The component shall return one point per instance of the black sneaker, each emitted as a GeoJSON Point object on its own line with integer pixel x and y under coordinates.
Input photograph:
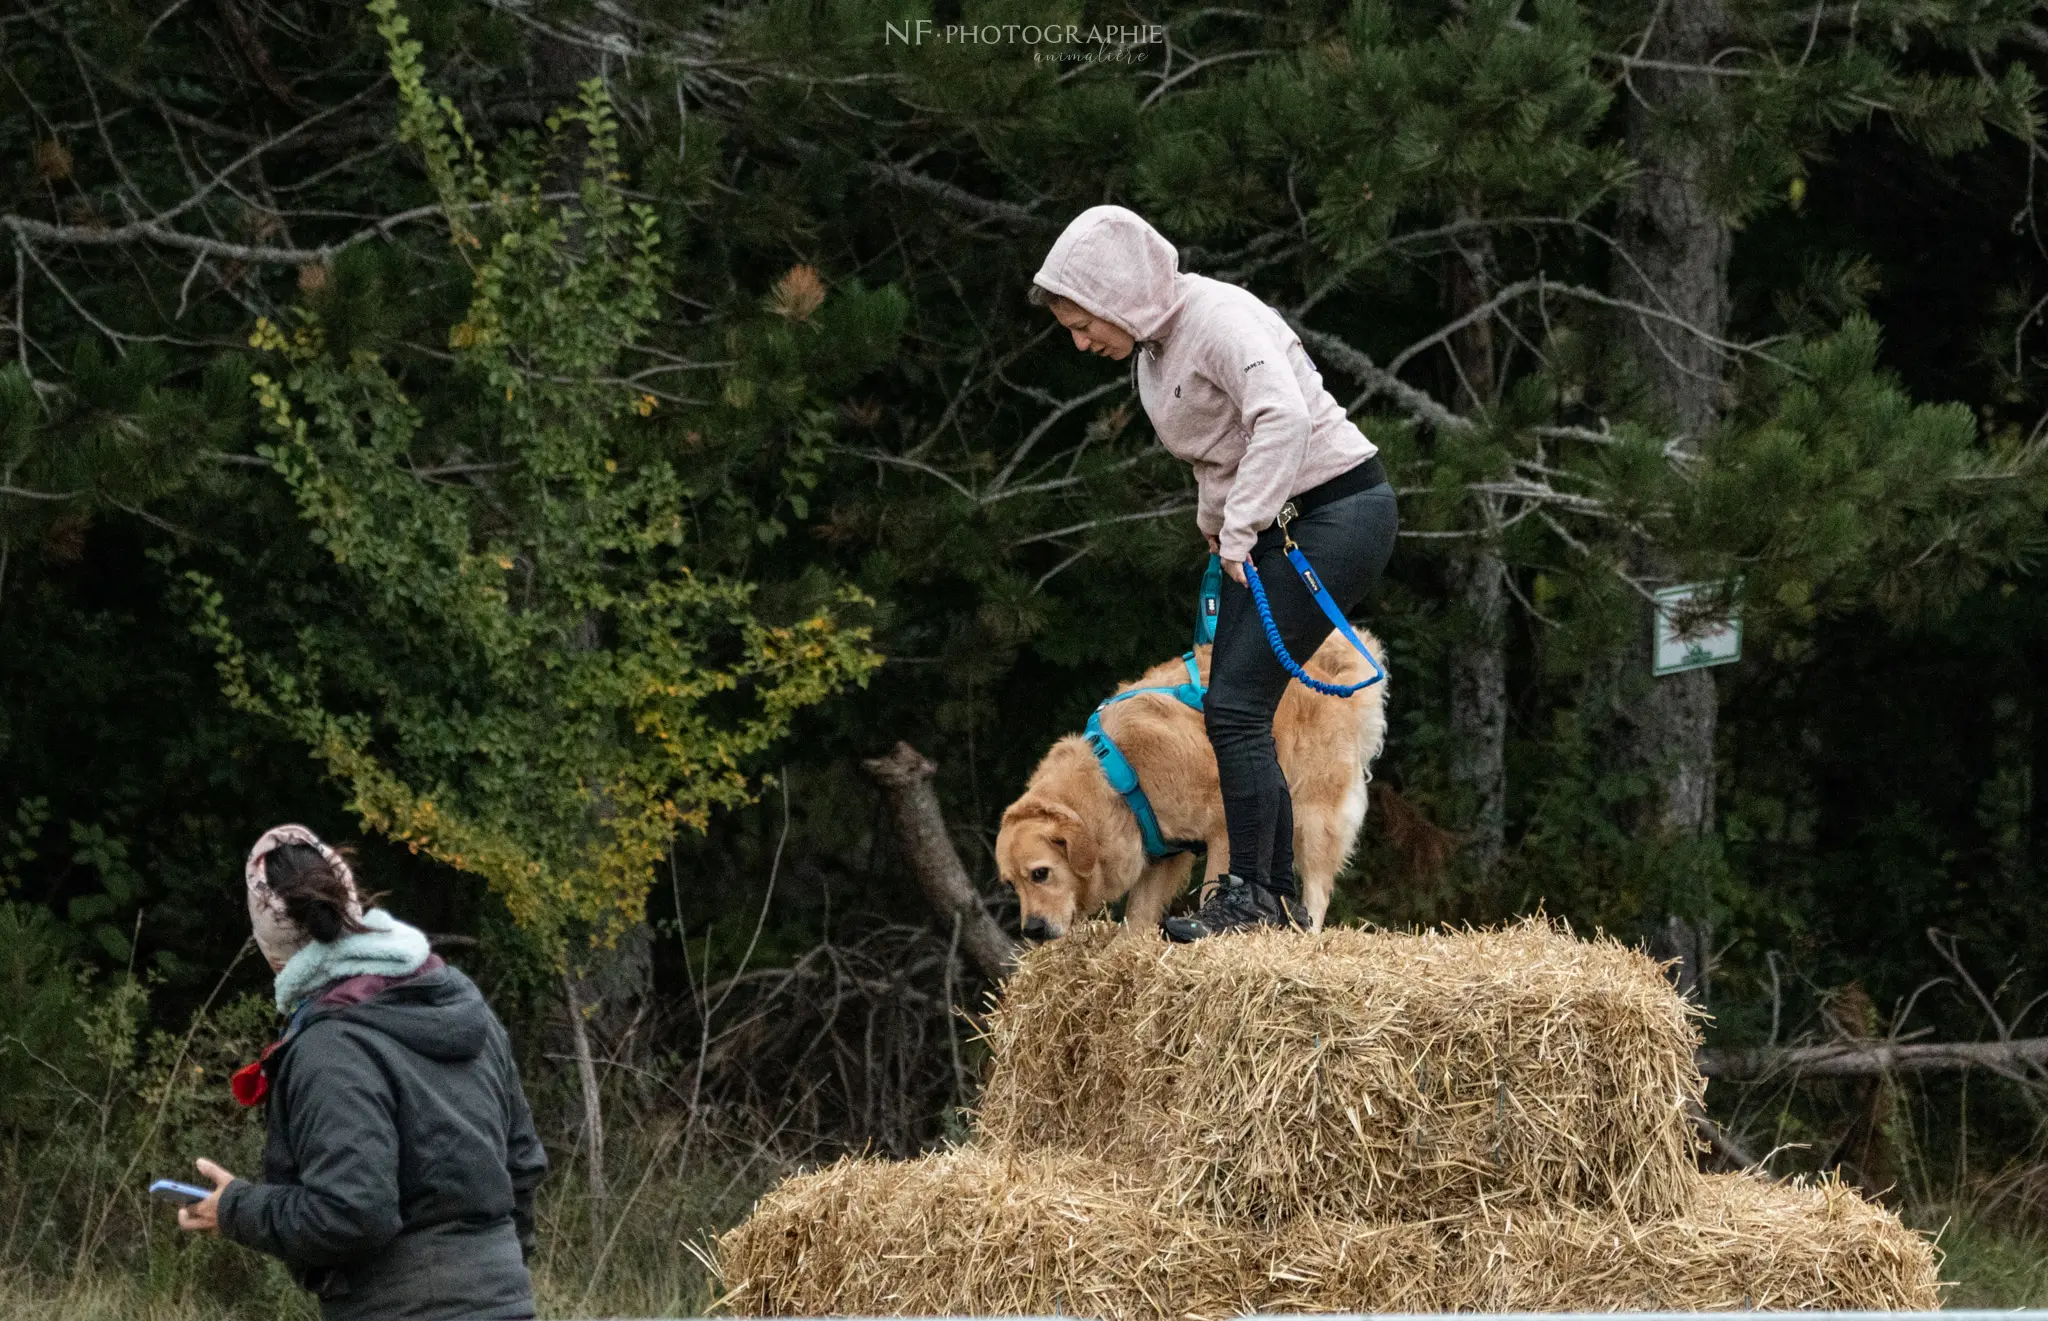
{"type": "Point", "coordinates": [1293, 912]}
{"type": "Point", "coordinates": [1237, 905]}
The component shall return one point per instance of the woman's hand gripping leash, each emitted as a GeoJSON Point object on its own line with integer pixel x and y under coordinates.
{"type": "Point", "coordinates": [1235, 568]}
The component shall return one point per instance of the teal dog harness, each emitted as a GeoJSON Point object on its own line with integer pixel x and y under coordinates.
{"type": "Point", "coordinates": [1123, 777]}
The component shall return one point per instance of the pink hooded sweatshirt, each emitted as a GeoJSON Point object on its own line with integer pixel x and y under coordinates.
{"type": "Point", "coordinates": [1225, 381]}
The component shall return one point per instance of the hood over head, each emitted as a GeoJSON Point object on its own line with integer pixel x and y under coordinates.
{"type": "Point", "coordinates": [439, 1014]}
{"type": "Point", "coordinates": [1112, 262]}
{"type": "Point", "coordinates": [277, 936]}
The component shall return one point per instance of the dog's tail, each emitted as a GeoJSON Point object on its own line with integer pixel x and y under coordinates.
{"type": "Point", "coordinates": [1371, 703]}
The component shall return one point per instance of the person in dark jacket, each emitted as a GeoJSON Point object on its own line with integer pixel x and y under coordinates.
{"type": "Point", "coordinates": [400, 1162]}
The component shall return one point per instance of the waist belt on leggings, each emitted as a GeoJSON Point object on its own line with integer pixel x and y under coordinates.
{"type": "Point", "coordinates": [1363, 477]}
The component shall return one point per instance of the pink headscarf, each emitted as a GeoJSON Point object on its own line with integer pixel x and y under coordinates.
{"type": "Point", "coordinates": [276, 934]}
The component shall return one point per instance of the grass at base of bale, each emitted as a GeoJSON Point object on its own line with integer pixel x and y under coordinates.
{"type": "Point", "coordinates": [1987, 1262]}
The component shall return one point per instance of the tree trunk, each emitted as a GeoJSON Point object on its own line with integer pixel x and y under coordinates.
{"type": "Point", "coordinates": [605, 987]}
{"type": "Point", "coordinates": [1479, 702]}
{"type": "Point", "coordinates": [905, 778]}
{"type": "Point", "coordinates": [1672, 256]}
{"type": "Point", "coordinates": [593, 1110]}
{"type": "Point", "coordinates": [2005, 804]}
{"type": "Point", "coordinates": [1479, 687]}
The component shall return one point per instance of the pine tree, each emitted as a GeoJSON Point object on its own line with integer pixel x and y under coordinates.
{"type": "Point", "coordinates": [1720, 117]}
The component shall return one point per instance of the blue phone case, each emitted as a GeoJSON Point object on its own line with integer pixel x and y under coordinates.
{"type": "Point", "coordinates": [184, 1194]}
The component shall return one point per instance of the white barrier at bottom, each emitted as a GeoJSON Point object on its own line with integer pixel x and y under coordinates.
{"type": "Point", "coordinates": [1971, 1314]}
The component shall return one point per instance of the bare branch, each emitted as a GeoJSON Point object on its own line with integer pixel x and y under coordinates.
{"type": "Point", "coordinates": [1864, 1059]}
{"type": "Point", "coordinates": [1378, 380]}
{"type": "Point", "coordinates": [914, 465]}
{"type": "Point", "coordinates": [1045, 424]}
{"type": "Point", "coordinates": [1006, 213]}
{"type": "Point", "coordinates": [19, 493]}
{"type": "Point", "coordinates": [1168, 80]}
{"type": "Point", "coordinates": [1145, 516]}
{"type": "Point", "coordinates": [153, 231]}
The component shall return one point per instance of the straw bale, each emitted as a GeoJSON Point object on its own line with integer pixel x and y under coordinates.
{"type": "Point", "coordinates": [974, 1232]}
{"type": "Point", "coordinates": [1364, 1075]}
{"type": "Point", "coordinates": [1744, 1242]}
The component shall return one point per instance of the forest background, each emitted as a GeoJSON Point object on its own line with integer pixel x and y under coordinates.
{"type": "Point", "coordinates": [552, 446]}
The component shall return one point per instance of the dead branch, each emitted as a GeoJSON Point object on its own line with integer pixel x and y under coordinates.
{"type": "Point", "coordinates": [154, 231]}
{"type": "Point", "coordinates": [1864, 1059]}
{"type": "Point", "coordinates": [847, 1047]}
{"type": "Point", "coordinates": [1142, 516]}
{"type": "Point", "coordinates": [1353, 362]}
{"type": "Point", "coordinates": [1032, 437]}
{"type": "Point", "coordinates": [995, 209]}
{"type": "Point", "coordinates": [905, 779]}
{"type": "Point", "coordinates": [1727, 1150]}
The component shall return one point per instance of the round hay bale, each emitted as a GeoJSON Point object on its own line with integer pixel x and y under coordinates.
{"type": "Point", "coordinates": [975, 1232]}
{"type": "Point", "coordinates": [1364, 1075]}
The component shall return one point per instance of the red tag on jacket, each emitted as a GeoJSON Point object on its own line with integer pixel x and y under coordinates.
{"type": "Point", "coordinates": [251, 1083]}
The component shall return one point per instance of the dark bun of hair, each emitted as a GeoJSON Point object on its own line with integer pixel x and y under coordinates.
{"type": "Point", "coordinates": [314, 891]}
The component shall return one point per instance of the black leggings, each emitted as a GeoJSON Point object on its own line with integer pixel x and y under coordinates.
{"type": "Point", "coordinates": [1348, 543]}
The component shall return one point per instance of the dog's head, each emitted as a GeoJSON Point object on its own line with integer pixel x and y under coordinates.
{"type": "Point", "coordinates": [1047, 854]}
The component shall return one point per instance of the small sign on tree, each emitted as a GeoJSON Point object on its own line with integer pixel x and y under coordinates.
{"type": "Point", "coordinates": [1690, 637]}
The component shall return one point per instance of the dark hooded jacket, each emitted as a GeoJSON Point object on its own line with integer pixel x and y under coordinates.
{"type": "Point", "coordinates": [401, 1160]}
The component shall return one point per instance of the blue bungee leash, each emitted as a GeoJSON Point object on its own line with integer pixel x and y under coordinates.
{"type": "Point", "coordinates": [1322, 598]}
{"type": "Point", "coordinates": [1122, 776]}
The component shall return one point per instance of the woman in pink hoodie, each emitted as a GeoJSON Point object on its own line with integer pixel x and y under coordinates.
{"type": "Point", "coordinates": [1230, 389]}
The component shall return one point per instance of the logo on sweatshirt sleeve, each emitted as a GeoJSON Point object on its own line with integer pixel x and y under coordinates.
{"type": "Point", "coordinates": [1260, 363]}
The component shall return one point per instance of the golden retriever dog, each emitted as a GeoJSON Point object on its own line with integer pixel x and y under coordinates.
{"type": "Point", "coordinates": [1070, 846]}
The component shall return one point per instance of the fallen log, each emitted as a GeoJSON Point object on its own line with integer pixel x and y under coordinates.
{"type": "Point", "coordinates": [905, 779]}
{"type": "Point", "coordinates": [1865, 1059]}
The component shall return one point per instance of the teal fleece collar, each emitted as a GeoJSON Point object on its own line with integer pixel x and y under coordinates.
{"type": "Point", "coordinates": [389, 948]}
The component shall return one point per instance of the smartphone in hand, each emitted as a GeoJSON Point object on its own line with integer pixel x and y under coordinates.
{"type": "Point", "coordinates": [180, 1194]}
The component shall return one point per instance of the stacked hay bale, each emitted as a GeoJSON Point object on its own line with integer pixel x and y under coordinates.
{"type": "Point", "coordinates": [1355, 1074]}
{"type": "Point", "coordinates": [1351, 1121]}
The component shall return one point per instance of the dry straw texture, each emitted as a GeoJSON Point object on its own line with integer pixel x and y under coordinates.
{"type": "Point", "coordinates": [1355, 1121]}
{"type": "Point", "coordinates": [970, 1232]}
{"type": "Point", "coordinates": [976, 1232]}
{"type": "Point", "coordinates": [1364, 1075]}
